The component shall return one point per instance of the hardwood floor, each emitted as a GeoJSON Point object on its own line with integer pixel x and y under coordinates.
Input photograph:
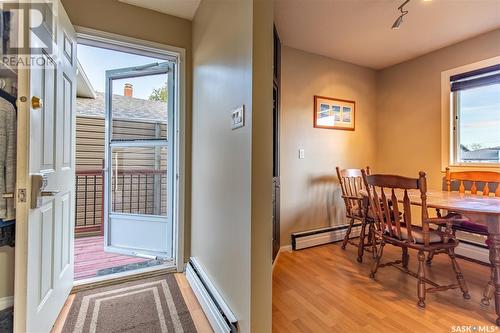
{"type": "Point", "coordinates": [324, 289]}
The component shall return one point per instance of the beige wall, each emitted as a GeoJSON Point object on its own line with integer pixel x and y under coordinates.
{"type": "Point", "coordinates": [231, 210]}
{"type": "Point", "coordinates": [262, 166]}
{"type": "Point", "coordinates": [409, 107]}
{"type": "Point", "coordinates": [6, 272]}
{"type": "Point", "coordinates": [310, 196]}
{"type": "Point", "coordinates": [221, 176]}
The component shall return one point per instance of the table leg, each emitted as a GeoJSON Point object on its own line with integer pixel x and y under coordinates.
{"type": "Point", "coordinates": [494, 237]}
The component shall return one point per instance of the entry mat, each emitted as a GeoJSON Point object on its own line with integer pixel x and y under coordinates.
{"type": "Point", "coordinates": [6, 320]}
{"type": "Point", "coordinates": [149, 305]}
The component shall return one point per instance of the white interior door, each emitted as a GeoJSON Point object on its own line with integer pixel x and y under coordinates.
{"type": "Point", "coordinates": [45, 175]}
{"type": "Point", "coordinates": [139, 164]}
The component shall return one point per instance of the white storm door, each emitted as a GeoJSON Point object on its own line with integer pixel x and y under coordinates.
{"type": "Point", "coordinates": [46, 148]}
{"type": "Point", "coordinates": [139, 165]}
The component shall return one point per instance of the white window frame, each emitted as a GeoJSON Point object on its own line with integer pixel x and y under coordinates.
{"type": "Point", "coordinates": [449, 141]}
{"type": "Point", "coordinates": [178, 55]}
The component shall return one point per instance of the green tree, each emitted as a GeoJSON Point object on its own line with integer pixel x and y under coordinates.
{"type": "Point", "coordinates": [159, 94]}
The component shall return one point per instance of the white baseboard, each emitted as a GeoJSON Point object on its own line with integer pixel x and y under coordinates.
{"type": "Point", "coordinates": [219, 315]}
{"type": "Point", "coordinates": [6, 302]}
{"type": "Point", "coordinates": [324, 237]}
{"type": "Point", "coordinates": [473, 252]}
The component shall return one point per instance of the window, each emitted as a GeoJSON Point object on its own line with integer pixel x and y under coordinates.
{"type": "Point", "coordinates": [476, 116]}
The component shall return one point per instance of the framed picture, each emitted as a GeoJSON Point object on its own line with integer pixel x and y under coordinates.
{"type": "Point", "coordinates": [334, 113]}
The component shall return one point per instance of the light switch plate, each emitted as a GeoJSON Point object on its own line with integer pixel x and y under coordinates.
{"type": "Point", "coordinates": [238, 118]}
{"type": "Point", "coordinates": [302, 154]}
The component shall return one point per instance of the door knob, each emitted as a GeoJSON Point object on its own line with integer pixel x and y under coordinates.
{"type": "Point", "coordinates": [36, 103]}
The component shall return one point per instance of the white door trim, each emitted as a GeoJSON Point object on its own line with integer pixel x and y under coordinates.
{"type": "Point", "coordinates": [167, 52]}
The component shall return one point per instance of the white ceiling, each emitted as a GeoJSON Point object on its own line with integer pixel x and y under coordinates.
{"type": "Point", "coordinates": [180, 8]}
{"type": "Point", "coordinates": [359, 31]}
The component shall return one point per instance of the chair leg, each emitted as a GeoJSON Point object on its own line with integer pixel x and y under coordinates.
{"type": "Point", "coordinates": [458, 273]}
{"type": "Point", "coordinates": [421, 280]}
{"type": "Point", "coordinates": [374, 241]}
{"type": "Point", "coordinates": [348, 234]}
{"type": "Point", "coordinates": [430, 256]}
{"type": "Point", "coordinates": [376, 262]}
{"type": "Point", "coordinates": [361, 245]}
{"type": "Point", "coordinates": [405, 258]}
{"type": "Point", "coordinates": [488, 291]}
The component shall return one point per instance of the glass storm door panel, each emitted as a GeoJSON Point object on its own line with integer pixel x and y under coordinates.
{"type": "Point", "coordinates": [139, 160]}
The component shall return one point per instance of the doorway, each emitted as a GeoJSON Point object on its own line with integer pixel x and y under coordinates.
{"type": "Point", "coordinates": [126, 160]}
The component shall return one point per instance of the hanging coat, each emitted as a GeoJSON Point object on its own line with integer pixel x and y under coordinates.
{"type": "Point", "coordinates": [8, 128]}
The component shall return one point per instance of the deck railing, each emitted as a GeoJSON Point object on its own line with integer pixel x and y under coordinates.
{"type": "Point", "coordinates": [136, 191]}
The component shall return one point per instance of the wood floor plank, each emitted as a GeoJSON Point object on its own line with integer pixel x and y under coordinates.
{"type": "Point", "coordinates": [199, 318]}
{"type": "Point", "coordinates": [324, 289]}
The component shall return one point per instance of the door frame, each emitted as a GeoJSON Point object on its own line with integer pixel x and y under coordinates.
{"type": "Point", "coordinates": [117, 42]}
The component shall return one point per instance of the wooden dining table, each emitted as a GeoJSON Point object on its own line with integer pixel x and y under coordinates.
{"type": "Point", "coordinates": [479, 209]}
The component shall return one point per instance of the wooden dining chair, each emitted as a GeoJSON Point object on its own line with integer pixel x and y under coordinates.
{"type": "Point", "coordinates": [483, 183]}
{"type": "Point", "coordinates": [351, 183]}
{"type": "Point", "coordinates": [388, 196]}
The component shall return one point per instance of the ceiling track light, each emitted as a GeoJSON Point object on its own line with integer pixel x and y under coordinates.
{"type": "Point", "coordinates": [399, 20]}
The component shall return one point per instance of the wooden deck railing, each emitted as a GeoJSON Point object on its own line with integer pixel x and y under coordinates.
{"type": "Point", "coordinates": [136, 191]}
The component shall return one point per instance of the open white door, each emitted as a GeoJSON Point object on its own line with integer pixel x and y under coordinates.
{"type": "Point", "coordinates": [45, 172]}
{"type": "Point", "coordinates": [139, 165]}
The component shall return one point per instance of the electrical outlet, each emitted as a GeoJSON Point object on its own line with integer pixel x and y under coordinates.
{"type": "Point", "coordinates": [238, 118]}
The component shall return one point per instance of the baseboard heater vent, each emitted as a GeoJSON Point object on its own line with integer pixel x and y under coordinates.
{"type": "Point", "coordinates": [218, 313]}
{"type": "Point", "coordinates": [310, 238]}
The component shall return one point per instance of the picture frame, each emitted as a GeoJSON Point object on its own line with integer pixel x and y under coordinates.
{"type": "Point", "coordinates": [334, 113]}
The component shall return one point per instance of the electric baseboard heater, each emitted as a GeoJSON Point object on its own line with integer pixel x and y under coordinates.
{"type": "Point", "coordinates": [218, 313]}
{"type": "Point", "coordinates": [304, 239]}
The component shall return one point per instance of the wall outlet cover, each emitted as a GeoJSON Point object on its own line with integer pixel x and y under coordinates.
{"type": "Point", "coordinates": [238, 117]}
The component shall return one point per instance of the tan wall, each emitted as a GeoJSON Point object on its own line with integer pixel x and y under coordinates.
{"type": "Point", "coordinates": [221, 178]}
{"type": "Point", "coordinates": [6, 271]}
{"type": "Point", "coordinates": [409, 107]}
{"type": "Point", "coordinates": [310, 195]}
{"type": "Point", "coordinates": [127, 20]}
{"type": "Point", "coordinates": [262, 163]}
{"type": "Point", "coordinates": [232, 176]}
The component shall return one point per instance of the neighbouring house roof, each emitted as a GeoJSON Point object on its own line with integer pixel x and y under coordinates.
{"type": "Point", "coordinates": [83, 86]}
{"type": "Point", "coordinates": [486, 154]}
{"type": "Point", "coordinates": [123, 107]}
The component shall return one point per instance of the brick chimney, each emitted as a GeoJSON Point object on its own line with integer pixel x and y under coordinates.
{"type": "Point", "coordinates": [128, 90]}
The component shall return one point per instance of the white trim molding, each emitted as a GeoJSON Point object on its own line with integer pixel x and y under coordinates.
{"type": "Point", "coordinates": [447, 137]}
{"type": "Point", "coordinates": [6, 302]}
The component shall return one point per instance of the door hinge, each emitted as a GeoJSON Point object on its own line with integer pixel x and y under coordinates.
{"type": "Point", "coordinates": [21, 195]}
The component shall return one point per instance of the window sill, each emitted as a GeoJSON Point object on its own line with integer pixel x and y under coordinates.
{"type": "Point", "coordinates": [469, 167]}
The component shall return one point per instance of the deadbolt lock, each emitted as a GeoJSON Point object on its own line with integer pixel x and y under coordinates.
{"type": "Point", "coordinates": [36, 103]}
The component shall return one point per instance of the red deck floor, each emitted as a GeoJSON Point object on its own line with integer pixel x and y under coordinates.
{"type": "Point", "coordinates": [90, 257]}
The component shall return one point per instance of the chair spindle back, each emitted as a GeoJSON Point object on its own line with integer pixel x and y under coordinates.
{"type": "Point", "coordinates": [385, 192]}
{"type": "Point", "coordinates": [485, 177]}
{"type": "Point", "coordinates": [351, 183]}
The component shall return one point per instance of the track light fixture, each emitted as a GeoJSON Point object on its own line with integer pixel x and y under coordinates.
{"type": "Point", "coordinates": [399, 20]}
